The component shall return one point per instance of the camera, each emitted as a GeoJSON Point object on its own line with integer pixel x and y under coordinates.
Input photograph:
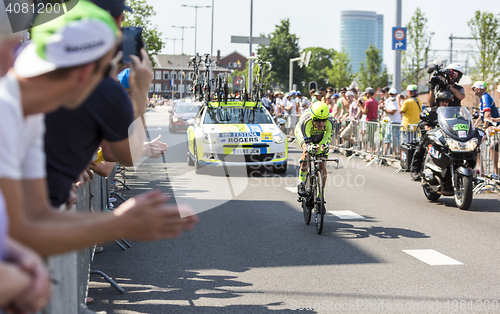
{"type": "Point", "coordinates": [439, 76]}
{"type": "Point", "coordinates": [132, 42]}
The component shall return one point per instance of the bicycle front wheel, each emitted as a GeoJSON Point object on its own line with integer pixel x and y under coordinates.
{"type": "Point", "coordinates": [307, 201]}
{"type": "Point", "coordinates": [319, 203]}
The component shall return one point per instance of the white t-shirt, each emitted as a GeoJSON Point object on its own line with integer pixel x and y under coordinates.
{"type": "Point", "coordinates": [391, 104]}
{"type": "Point", "coordinates": [21, 139]}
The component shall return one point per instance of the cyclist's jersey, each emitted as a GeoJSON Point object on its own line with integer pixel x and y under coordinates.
{"type": "Point", "coordinates": [306, 132]}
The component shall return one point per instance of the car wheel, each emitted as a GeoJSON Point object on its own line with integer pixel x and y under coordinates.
{"type": "Point", "coordinates": [190, 160]}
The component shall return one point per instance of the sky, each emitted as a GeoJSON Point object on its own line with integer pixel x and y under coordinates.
{"type": "Point", "coordinates": [316, 23]}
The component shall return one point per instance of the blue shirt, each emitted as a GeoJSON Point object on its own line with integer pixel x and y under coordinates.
{"type": "Point", "coordinates": [487, 104]}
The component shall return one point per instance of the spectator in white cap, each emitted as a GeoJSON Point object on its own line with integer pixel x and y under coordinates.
{"type": "Point", "coordinates": [65, 62]}
{"type": "Point", "coordinates": [392, 135]}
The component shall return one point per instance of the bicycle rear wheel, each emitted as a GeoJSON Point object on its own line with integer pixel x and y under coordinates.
{"type": "Point", "coordinates": [319, 204]}
{"type": "Point", "coordinates": [306, 201]}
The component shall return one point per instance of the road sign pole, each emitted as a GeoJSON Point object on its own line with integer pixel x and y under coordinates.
{"type": "Point", "coordinates": [397, 65]}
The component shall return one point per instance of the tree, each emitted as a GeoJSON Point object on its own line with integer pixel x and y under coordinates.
{"type": "Point", "coordinates": [340, 74]}
{"type": "Point", "coordinates": [284, 46]}
{"type": "Point", "coordinates": [372, 74]}
{"type": "Point", "coordinates": [417, 53]}
{"type": "Point", "coordinates": [141, 17]}
{"type": "Point", "coordinates": [485, 30]}
{"type": "Point", "coordinates": [319, 64]}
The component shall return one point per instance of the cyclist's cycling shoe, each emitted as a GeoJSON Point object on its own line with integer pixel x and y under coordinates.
{"type": "Point", "coordinates": [301, 188]}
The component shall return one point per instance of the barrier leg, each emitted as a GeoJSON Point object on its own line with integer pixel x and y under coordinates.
{"type": "Point", "coordinates": [111, 281]}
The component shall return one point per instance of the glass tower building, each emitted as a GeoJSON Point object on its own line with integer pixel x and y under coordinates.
{"type": "Point", "coordinates": [359, 29]}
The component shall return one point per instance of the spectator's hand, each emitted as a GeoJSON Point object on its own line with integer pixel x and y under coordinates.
{"type": "Point", "coordinates": [147, 217]}
{"type": "Point", "coordinates": [427, 128]}
{"type": "Point", "coordinates": [140, 73]}
{"type": "Point", "coordinates": [38, 294]}
{"type": "Point", "coordinates": [116, 68]}
{"type": "Point", "coordinates": [72, 197]}
{"type": "Point", "coordinates": [155, 148]}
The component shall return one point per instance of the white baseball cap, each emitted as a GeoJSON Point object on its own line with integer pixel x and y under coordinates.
{"type": "Point", "coordinates": [82, 35]}
{"type": "Point", "coordinates": [479, 85]}
{"type": "Point", "coordinates": [393, 91]}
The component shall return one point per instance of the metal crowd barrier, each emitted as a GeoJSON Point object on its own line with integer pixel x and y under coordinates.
{"type": "Point", "coordinates": [488, 164]}
{"type": "Point", "coordinates": [380, 142]}
{"type": "Point", "coordinates": [71, 270]}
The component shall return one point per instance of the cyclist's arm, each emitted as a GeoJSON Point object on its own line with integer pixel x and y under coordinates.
{"type": "Point", "coordinates": [303, 129]}
{"type": "Point", "coordinates": [327, 136]}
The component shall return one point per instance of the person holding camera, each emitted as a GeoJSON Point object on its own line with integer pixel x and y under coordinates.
{"type": "Point", "coordinates": [448, 82]}
{"type": "Point", "coordinates": [429, 121]}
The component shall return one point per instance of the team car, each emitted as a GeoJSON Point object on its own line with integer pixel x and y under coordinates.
{"type": "Point", "coordinates": [236, 133]}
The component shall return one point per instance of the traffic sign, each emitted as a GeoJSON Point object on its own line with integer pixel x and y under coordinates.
{"type": "Point", "coordinates": [399, 38]}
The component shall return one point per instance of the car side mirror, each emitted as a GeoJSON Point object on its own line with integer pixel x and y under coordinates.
{"type": "Point", "coordinates": [281, 121]}
{"type": "Point", "coordinates": [190, 122]}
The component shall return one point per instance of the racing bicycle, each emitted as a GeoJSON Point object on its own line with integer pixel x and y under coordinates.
{"type": "Point", "coordinates": [196, 86]}
{"type": "Point", "coordinates": [314, 200]}
{"type": "Point", "coordinates": [258, 80]}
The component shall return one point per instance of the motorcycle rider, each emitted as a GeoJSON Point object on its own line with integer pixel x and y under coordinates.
{"type": "Point", "coordinates": [457, 90]}
{"type": "Point", "coordinates": [444, 99]}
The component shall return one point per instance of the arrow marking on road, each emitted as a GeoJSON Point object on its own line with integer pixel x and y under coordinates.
{"type": "Point", "coordinates": [346, 214]}
{"type": "Point", "coordinates": [432, 257]}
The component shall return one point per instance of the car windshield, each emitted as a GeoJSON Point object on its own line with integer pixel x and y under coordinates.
{"type": "Point", "coordinates": [235, 115]}
{"type": "Point", "coordinates": [456, 118]}
{"type": "Point", "coordinates": [187, 108]}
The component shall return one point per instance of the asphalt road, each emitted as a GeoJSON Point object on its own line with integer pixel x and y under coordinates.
{"type": "Point", "coordinates": [384, 247]}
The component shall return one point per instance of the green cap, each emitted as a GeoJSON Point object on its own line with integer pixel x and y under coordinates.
{"type": "Point", "coordinates": [82, 35]}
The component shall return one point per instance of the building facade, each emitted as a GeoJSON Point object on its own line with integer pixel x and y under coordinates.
{"type": "Point", "coordinates": [359, 29]}
{"type": "Point", "coordinates": [167, 76]}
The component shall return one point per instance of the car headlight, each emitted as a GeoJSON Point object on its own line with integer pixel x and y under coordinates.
{"type": "Point", "coordinates": [457, 146]}
{"type": "Point", "coordinates": [278, 138]}
{"type": "Point", "coordinates": [175, 119]}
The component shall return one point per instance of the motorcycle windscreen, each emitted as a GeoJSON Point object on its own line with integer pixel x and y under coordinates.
{"type": "Point", "coordinates": [456, 122]}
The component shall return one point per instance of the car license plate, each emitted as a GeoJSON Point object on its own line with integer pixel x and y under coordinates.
{"type": "Point", "coordinates": [242, 151]}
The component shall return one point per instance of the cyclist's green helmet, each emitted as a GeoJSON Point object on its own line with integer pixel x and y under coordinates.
{"type": "Point", "coordinates": [320, 110]}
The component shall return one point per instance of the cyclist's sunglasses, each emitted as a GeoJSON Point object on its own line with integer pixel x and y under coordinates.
{"type": "Point", "coordinates": [320, 120]}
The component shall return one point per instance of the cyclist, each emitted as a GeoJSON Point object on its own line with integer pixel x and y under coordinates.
{"type": "Point", "coordinates": [314, 133]}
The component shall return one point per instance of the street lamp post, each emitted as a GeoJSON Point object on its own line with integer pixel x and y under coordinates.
{"type": "Point", "coordinates": [196, 20]}
{"type": "Point", "coordinates": [182, 54]}
{"type": "Point", "coordinates": [173, 65]}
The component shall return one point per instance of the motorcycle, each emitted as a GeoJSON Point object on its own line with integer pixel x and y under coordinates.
{"type": "Point", "coordinates": [451, 153]}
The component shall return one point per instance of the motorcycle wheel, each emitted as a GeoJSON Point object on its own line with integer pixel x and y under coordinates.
{"type": "Point", "coordinates": [431, 196]}
{"type": "Point", "coordinates": [463, 192]}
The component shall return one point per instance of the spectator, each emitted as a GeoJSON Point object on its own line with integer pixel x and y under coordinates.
{"type": "Point", "coordinates": [370, 109]}
{"type": "Point", "coordinates": [322, 92]}
{"type": "Point", "coordinates": [312, 93]}
{"type": "Point", "coordinates": [411, 109]}
{"type": "Point", "coordinates": [37, 85]}
{"type": "Point", "coordinates": [392, 135]}
{"type": "Point", "coordinates": [24, 280]}
{"type": "Point", "coordinates": [489, 113]}
{"type": "Point", "coordinates": [354, 114]}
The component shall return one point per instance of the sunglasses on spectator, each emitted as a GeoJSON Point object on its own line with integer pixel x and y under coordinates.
{"type": "Point", "coordinates": [320, 120]}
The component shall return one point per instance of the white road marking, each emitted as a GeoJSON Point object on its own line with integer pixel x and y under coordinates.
{"type": "Point", "coordinates": [346, 214]}
{"type": "Point", "coordinates": [432, 257]}
{"type": "Point", "coordinates": [292, 189]}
